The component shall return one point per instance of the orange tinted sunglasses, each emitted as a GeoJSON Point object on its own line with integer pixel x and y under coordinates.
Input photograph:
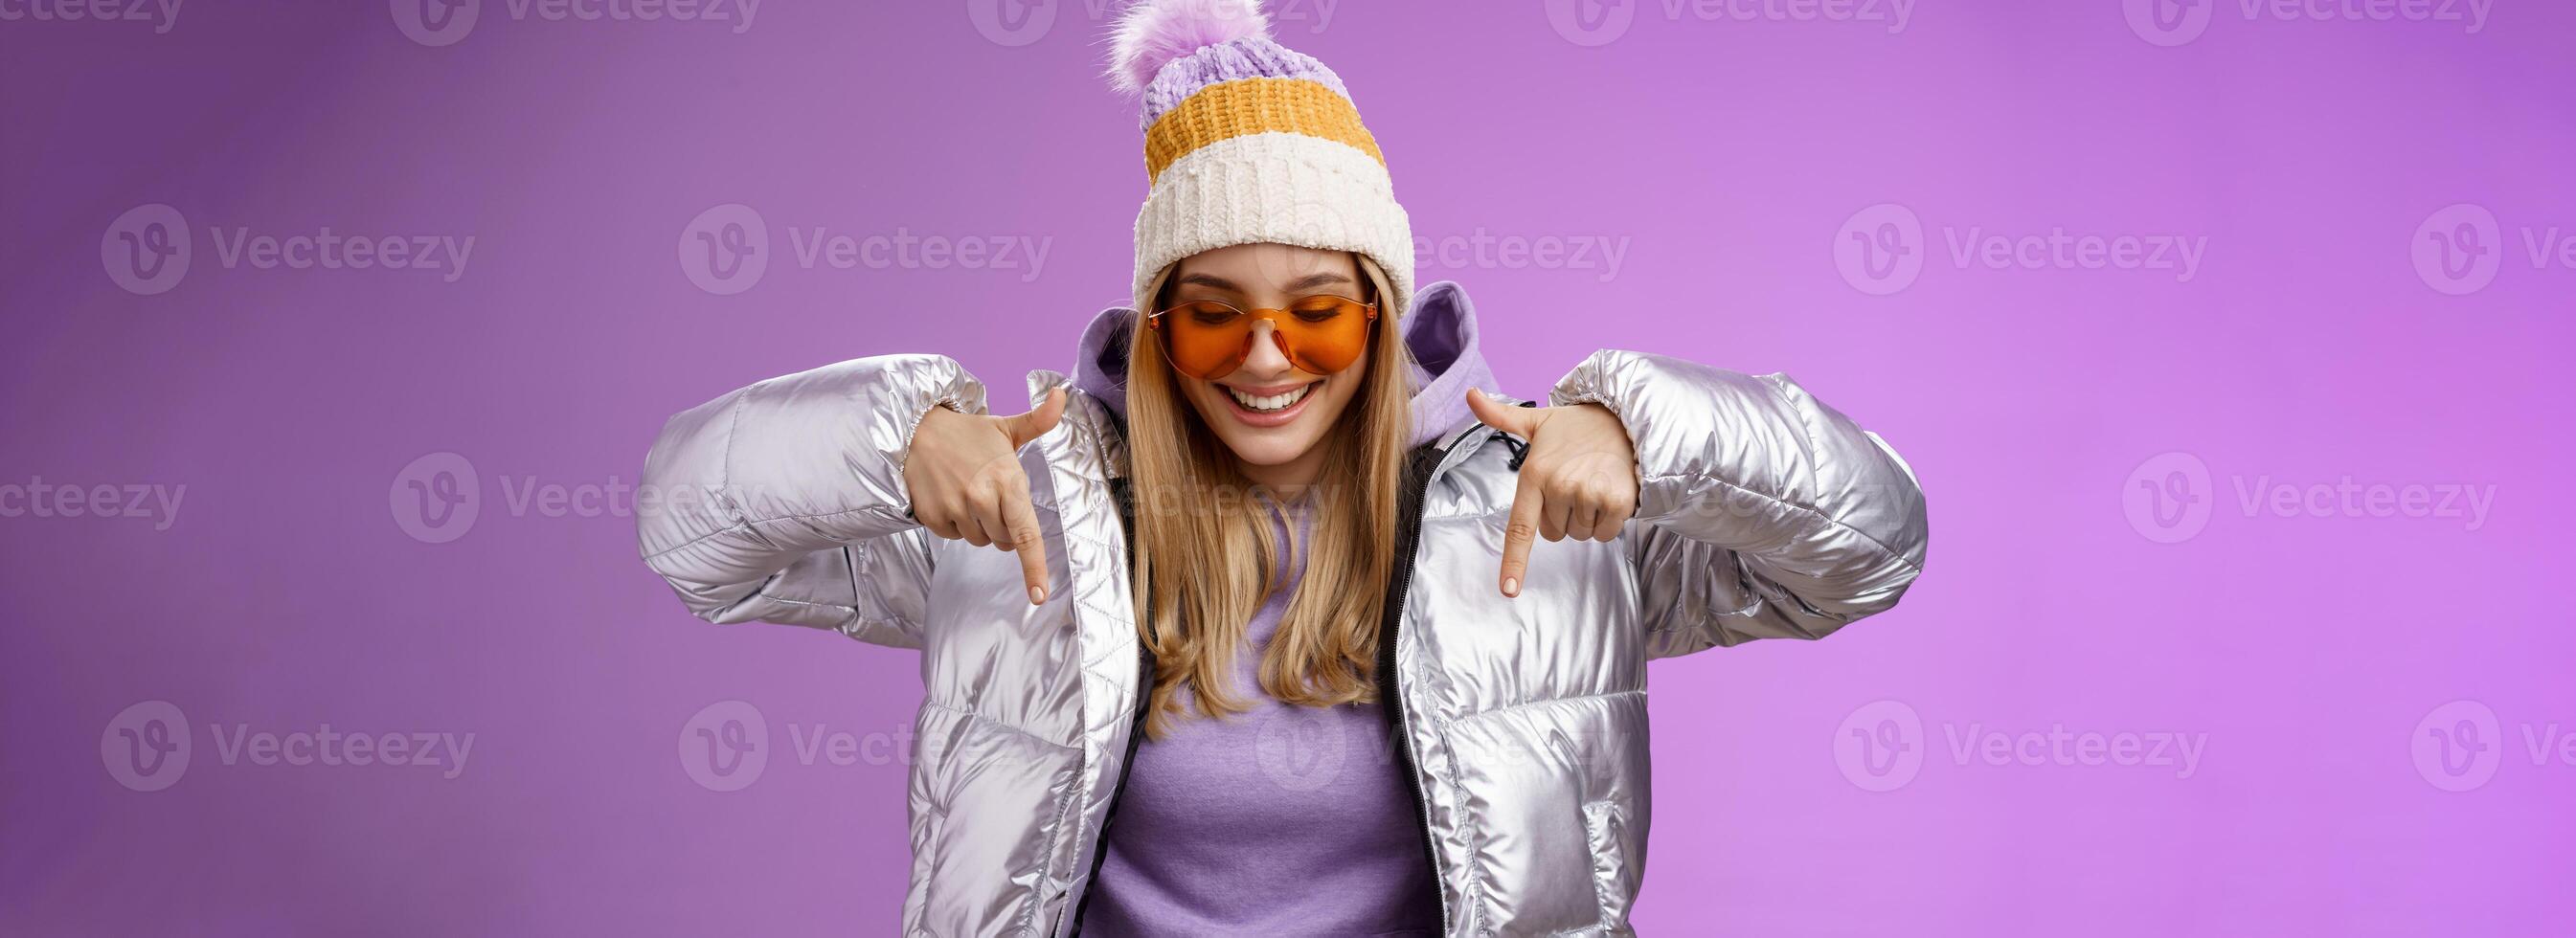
{"type": "Point", "coordinates": [1209, 339]}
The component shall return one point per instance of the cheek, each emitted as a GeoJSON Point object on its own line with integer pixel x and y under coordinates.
{"type": "Point", "coordinates": [1202, 396]}
{"type": "Point", "coordinates": [1345, 387]}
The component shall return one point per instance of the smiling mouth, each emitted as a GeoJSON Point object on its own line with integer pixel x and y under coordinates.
{"type": "Point", "coordinates": [1270, 403]}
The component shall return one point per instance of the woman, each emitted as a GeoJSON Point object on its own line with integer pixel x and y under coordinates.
{"type": "Point", "coordinates": [1318, 636]}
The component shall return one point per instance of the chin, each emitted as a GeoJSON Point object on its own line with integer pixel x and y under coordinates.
{"type": "Point", "coordinates": [1268, 448]}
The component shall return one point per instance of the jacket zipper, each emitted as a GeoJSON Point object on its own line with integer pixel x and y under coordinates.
{"type": "Point", "coordinates": [1135, 729]}
{"type": "Point", "coordinates": [1417, 479]}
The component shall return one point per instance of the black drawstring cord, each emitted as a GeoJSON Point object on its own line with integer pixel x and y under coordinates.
{"type": "Point", "coordinates": [1520, 450]}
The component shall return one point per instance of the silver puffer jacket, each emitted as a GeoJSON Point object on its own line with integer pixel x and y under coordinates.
{"type": "Point", "coordinates": [1762, 514]}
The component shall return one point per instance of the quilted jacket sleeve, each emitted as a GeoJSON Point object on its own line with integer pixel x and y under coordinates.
{"type": "Point", "coordinates": [784, 501]}
{"type": "Point", "coordinates": [1762, 513]}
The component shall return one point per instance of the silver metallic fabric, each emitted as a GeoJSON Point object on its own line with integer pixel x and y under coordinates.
{"type": "Point", "coordinates": [1762, 514]}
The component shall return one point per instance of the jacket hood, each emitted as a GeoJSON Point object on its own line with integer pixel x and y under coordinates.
{"type": "Point", "coordinates": [1440, 331]}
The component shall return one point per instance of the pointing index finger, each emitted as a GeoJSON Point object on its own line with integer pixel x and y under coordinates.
{"type": "Point", "coordinates": [1527, 503]}
{"type": "Point", "coordinates": [1027, 540]}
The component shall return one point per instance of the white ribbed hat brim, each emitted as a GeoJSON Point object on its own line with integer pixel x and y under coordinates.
{"type": "Point", "coordinates": [1275, 188]}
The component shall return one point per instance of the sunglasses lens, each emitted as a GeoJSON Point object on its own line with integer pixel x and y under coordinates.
{"type": "Point", "coordinates": [1325, 333]}
{"type": "Point", "coordinates": [1206, 339]}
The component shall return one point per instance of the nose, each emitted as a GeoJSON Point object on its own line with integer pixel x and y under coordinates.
{"type": "Point", "coordinates": [1267, 360]}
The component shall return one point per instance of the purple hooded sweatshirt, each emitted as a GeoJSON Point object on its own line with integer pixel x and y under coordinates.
{"type": "Point", "coordinates": [1280, 820]}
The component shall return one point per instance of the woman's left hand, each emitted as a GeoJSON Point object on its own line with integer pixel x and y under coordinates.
{"type": "Point", "coordinates": [1579, 478]}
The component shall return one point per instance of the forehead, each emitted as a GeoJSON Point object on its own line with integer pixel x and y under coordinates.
{"type": "Point", "coordinates": [1258, 267]}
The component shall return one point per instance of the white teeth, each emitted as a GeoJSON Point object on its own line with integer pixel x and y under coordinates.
{"type": "Point", "coordinates": [1271, 402]}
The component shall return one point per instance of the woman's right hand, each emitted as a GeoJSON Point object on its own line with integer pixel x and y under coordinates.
{"type": "Point", "coordinates": [963, 476]}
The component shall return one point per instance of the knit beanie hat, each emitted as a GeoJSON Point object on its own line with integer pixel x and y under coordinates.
{"type": "Point", "coordinates": [1247, 142]}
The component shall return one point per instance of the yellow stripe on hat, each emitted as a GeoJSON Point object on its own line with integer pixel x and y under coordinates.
{"type": "Point", "coordinates": [1253, 106]}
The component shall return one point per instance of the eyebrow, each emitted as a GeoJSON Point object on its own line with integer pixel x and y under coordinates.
{"type": "Point", "coordinates": [1311, 281]}
{"type": "Point", "coordinates": [1308, 282]}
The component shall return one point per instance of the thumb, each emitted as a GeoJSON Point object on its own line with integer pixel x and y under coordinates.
{"type": "Point", "coordinates": [1029, 426]}
{"type": "Point", "coordinates": [1516, 420]}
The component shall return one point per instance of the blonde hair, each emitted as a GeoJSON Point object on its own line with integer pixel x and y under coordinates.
{"type": "Point", "coordinates": [1197, 522]}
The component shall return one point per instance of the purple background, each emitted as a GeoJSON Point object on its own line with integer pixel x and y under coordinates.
{"type": "Point", "coordinates": [289, 591]}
